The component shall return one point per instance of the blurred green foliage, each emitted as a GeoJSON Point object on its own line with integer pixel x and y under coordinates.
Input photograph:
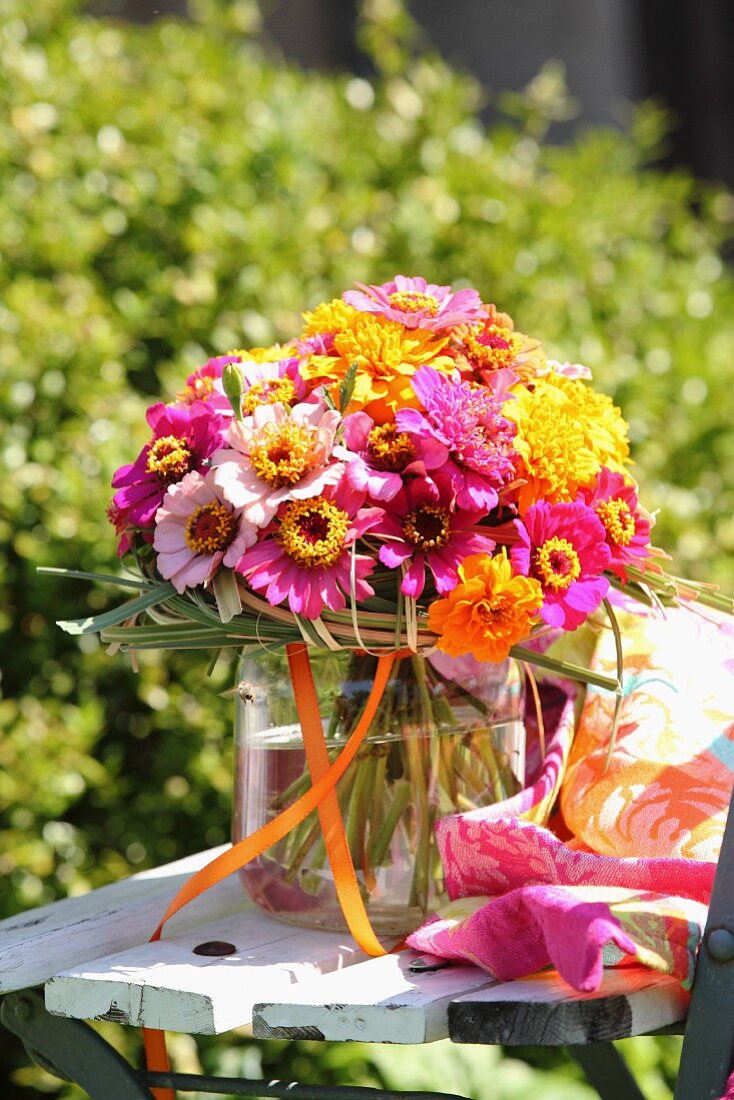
{"type": "Point", "coordinates": [172, 191]}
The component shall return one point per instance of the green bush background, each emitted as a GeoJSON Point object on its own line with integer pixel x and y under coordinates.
{"type": "Point", "coordinates": [173, 191]}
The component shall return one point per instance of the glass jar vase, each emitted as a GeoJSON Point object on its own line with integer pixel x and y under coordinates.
{"type": "Point", "coordinates": [448, 736]}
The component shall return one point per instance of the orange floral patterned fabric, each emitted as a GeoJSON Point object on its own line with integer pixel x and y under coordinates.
{"type": "Point", "coordinates": [667, 787]}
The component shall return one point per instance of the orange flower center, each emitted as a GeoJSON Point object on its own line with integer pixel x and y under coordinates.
{"type": "Point", "coordinates": [389, 449]}
{"type": "Point", "coordinates": [414, 301]}
{"type": "Point", "coordinates": [284, 454]}
{"type": "Point", "coordinates": [427, 527]}
{"type": "Point", "coordinates": [210, 528]}
{"type": "Point", "coordinates": [556, 564]}
{"type": "Point", "coordinates": [313, 532]}
{"type": "Point", "coordinates": [198, 390]}
{"type": "Point", "coordinates": [170, 458]}
{"type": "Point", "coordinates": [268, 392]}
{"type": "Point", "coordinates": [618, 520]}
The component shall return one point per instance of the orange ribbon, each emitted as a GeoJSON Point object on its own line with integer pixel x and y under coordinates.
{"type": "Point", "coordinates": [322, 797]}
{"type": "Point", "coordinates": [332, 826]}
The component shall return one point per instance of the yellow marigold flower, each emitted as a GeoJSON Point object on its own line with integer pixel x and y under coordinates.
{"type": "Point", "coordinates": [602, 422]}
{"type": "Point", "coordinates": [273, 354]}
{"type": "Point", "coordinates": [330, 316]}
{"type": "Point", "coordinates": [387, 356]}
{"type": "Point", "coordinates": [565, 433]}
{"type": "Point", "coordinates": [488, 611]}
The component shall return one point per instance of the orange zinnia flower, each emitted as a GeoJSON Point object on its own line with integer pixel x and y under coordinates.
{"type": "Point", "coordinates": [488, 611]}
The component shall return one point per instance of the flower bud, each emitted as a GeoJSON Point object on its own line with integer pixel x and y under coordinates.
{"type": "Point", "coordinates": [233, 384]}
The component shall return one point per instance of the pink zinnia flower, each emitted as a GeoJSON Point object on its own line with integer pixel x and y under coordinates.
{"type": "Point", "coordinates": [418, 304]}
{"type": "Point", "coordinates": [469, 422]}
{"type": "Point", "coordinates": [278, 454]}
{"type": "Point", "coordinates": [120, 520]}
{"type": "Point", "coordinates": [420, 530]}
{"type": "Point", "coordinates": [626, 526]}
{"type": "Point", "coordinates": [184, 437]}
{"type": "Point", "coordinates": [307, 560]}
{"type": "Point", "coordinates": [196, 532]}
{"type": "Point", "coordinates": [385, 455]}
{"type": "Point", "coordinates": [563, 546]}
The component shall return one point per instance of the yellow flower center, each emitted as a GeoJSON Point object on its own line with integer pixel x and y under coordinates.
{"type": "Point", "coordinates": [210, 528]}
{"type": "Point", "coordinates": [285, 454]}
{"type": "Point", "coordinates": [491, 346]}
{"type": "Point", "coordinates": [427, 527]}
{"type": "Point", "coordinates": [170, 458]}
{"type": "Point", "coordinates": [199, 390]}
{"type": "Point", "coordinates": [556, 564]}
{"type": "Point", "coordinates": [313, 532]}
{"type": "Point", "coordinates": [390, 449]}
{"type": "Point", "coordinates": [619, 523]}
{"type": "Point", "coordinates": [414, 301]}
{"type": "Point", "coordinates": [268, 392]}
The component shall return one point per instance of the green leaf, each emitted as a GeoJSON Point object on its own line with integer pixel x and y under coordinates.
{"type": "Point", "coordinates": [346, 389]}
{"type": "Point", "coordinates": [95, 624]}
{"type": "Point", "coordinates": [80, 574]}
{"type": "Point", "coordinates": [227, 594]}
{"type": "Point", "coordinates": [564, 668]}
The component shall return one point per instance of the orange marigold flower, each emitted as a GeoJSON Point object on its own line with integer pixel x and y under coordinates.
{"type": "Point", "coordinates": [387, 356]}
{"type": "Point", "coordinates": [488, 611]}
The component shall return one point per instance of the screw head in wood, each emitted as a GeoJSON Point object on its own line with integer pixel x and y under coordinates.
{"type": "Point", "coordinates": [215, 949]}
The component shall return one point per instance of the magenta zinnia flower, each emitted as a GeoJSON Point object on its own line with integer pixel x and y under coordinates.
{"type": "Point", "coordinates": [184, 437]}
{"type": "Point", "coordinates": [563, 546]}
{"type": "Point", "coordinates": [418, 304]}
{"type": "Point", "coordinates": [385, 455]}
{"type": "Point", "coordinates": [469, 422]}
{"type": "Point", "coordinates": [205, 385]}
{"type": "Point", "coordinates": [626, 526]}
{"type": "Point", "coordinates": [278, 454]}
{"type": "Point", "coordinates": [420, 530]}
{"type": "Point", "coordinates": [196, 532]}
{"type": "Point", "coordinates": [307, 559]}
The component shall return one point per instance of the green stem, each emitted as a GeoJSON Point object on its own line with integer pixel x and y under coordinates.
{"type": "Point", "coordinates": [380, 841]}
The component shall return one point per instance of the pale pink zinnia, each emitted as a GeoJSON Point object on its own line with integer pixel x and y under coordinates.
{"type": "Point", "coordinates": [384, 456]}
{"type": "Point", "coordinates": [418, 304]}
{"type": "Point", "coordinates": [307, 559]}
{"type": "Point", "coordinates": [270, 383]}
{"type": "Point", "coordinates": [626, 525]}
{"type": "Point", "coordinates": [421, 530]}
{"type": "Point", "coordinates": [470, 424]}
{"type": "Point", "coordinates": [197, 531]}
{"type": "Point", "coordinates": [278, 454]}
{"type": "Point", "coordinates": [563, 546]}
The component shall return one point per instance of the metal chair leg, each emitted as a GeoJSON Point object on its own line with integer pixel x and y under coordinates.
{"type": "Point", "coordinates": [70, 1049]}
{"type": "Point", "coordinates": [607, 1071]}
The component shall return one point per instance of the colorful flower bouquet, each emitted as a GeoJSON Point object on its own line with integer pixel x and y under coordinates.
{"type": "Point", "coordinates": [411, 475]}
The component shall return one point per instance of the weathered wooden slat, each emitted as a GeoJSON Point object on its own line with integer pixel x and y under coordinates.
{"type": "Point", "coordinates": [543, 1010]}
{"type": "Point", "coordinates": [38, 943]}
{"type": "Point", "coordinates": [165, 985]}
{"type": "Point", "coordinates": [377, 1001]}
